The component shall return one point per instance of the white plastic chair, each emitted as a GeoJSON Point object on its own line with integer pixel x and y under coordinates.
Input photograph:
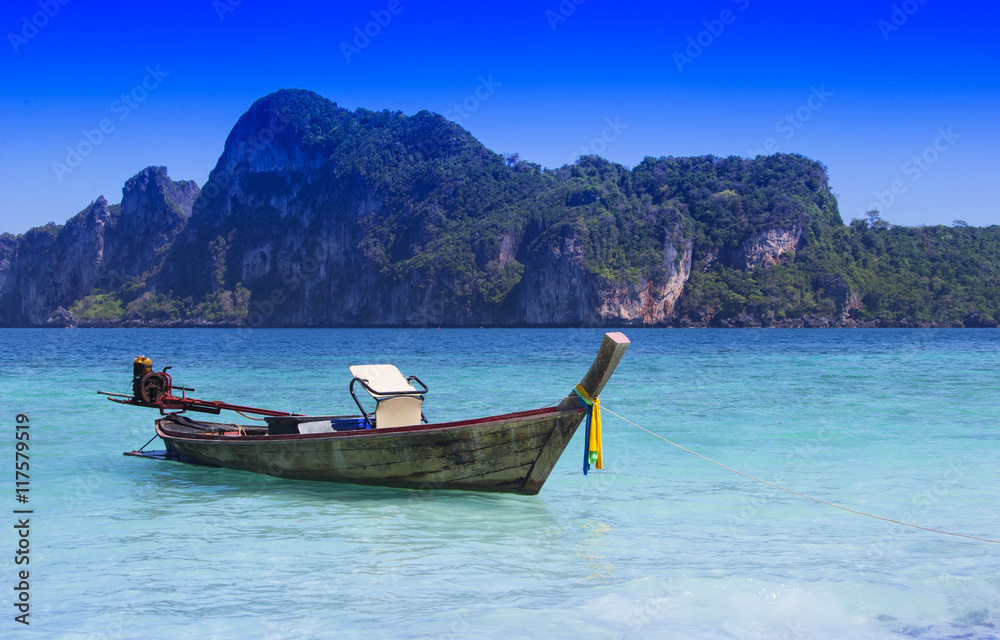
{"type": "Point", "coordinates": [397, 402]}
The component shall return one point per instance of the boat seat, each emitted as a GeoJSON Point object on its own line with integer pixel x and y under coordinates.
{"type": "Point", "coordinates": [397, 402]}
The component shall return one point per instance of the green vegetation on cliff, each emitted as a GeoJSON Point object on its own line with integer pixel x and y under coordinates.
{"type": "Point", "coordinates": [383, 209]}
{"type": "Point", "coordinates": [438, 212]}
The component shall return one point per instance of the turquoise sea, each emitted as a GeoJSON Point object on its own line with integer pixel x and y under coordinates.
{"type": "Point", "coordinates": [660, 544]}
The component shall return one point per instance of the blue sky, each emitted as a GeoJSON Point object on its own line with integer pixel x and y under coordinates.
{"type": "Point", "coordinates": [898, 99]}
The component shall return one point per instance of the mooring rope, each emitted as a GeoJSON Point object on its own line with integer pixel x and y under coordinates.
{"type": "Point", "coordinates": [249, 417]}
{"type": "Point", "coordinates": [801, 495]}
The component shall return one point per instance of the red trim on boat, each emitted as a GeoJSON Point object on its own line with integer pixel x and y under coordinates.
{"type": "Point", "coordinates": [365, 433]}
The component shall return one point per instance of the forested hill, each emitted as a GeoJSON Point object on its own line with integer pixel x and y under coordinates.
{"type": "Point", "coordinates": [319, 216]}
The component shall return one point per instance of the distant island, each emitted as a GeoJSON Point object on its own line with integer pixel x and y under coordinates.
{"type": "Point", "coordinates": [317, 216]}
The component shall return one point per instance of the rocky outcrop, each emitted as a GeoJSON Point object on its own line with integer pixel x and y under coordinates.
{"type": "Point", "coordinates": [558, 288]}
{"type": "Point", "coordinates": [8, 256]}
{"type": "Point", "coordinates": [763, 249]}
{"type": "Point", "coordinates": [154, 210]}
{"type": "Point", "coordinates": [846, 299]}
{"type": "Point", "coordinates": [103, 246]}
{"type": "Point", "coordinates": [322, 216]}
{"type": "Point", "coordinates": [62, 318]}
{"type": "Point", "coordinates": [59, 265]}
{"type": "Point", "coordinates": [648, 302]}
{"type": "Point", "coordinates": [768, 247]}
{"type": "Point", "coordinates": [294, 213]}
{"type": "Point", "coordinates": [976, 319]}
{"type": "Point", "coordinates": [267, 211]}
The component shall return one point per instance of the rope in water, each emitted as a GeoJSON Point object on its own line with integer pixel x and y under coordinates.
{"type": "Point", "coordinates": [801, 495]}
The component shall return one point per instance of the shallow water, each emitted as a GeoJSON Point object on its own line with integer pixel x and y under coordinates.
{"type": "Point", "coordinates": [659, 544]}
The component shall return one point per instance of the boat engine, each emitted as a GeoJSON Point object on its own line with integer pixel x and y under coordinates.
{"type": "Point", "coordinates": [140, 367]}
{"type": "Point", "coordinates": [148, 385]}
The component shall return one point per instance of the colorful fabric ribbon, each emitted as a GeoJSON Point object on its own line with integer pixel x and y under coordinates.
{"type": "Point", "coordinates": [593, 450]}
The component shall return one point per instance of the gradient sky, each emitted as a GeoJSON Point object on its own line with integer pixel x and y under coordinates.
{"type": "Point", "coordinates": [862, 87]}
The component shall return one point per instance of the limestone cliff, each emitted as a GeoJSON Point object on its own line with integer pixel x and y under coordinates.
{"type": "Point", "coordinates": [315, 215]}
{"type": "Point", "coordinates": [768, 247]}
{"type": "Point", "coordinates": [154, 210]}
{"type": "Point", "coordinates": [332, 217]}
{"type": "Point", "coordinates": [102, 247]}
{"type": "Point", "coordinates": [559, 288]}
{"type": "Point", "coordinates": [8, 258]}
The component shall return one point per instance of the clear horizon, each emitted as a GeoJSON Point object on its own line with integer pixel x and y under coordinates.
{"type": "Point", "coordinates": [897, 99]}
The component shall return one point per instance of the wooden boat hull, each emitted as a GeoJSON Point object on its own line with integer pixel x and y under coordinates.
{"type": "Point", "coordinates": [509, 453]}
{"type": "Point", "coordinates": [513, 453]}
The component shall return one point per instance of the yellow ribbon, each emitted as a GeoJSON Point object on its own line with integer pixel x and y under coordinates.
{"type": "Point", "coordinates": [594, 446]}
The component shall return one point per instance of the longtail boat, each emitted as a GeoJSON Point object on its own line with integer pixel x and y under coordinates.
{"type": "Point", "coordinates": [389, 446]}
